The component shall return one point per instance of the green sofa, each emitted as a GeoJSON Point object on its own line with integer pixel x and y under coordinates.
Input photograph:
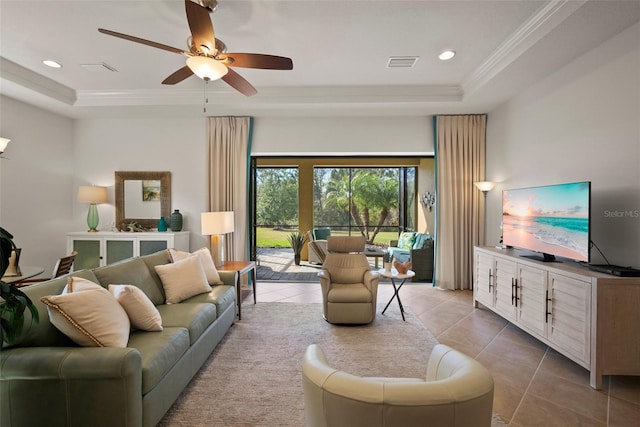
{"type": "Point", "coordinates": [46, 379]}
{"type": "Point", "coordinates": [417, 247]}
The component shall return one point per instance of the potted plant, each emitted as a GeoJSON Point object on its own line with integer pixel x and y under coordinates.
{"type": "Point", "coordinates": [297, 239]}
{"type": "Point", "coordinates": [386, 261]}
{"type": "Point", "coordinates": [13, 302]}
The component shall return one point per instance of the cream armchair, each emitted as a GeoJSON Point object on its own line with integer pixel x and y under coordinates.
{"type": "Point", "coordinates": [349, 287]}
{"type": "Point", "coordinates": [457, 392]}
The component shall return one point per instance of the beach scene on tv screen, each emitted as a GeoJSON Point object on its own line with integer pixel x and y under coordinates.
{"type": "Point", "coordinates": [552, 219]}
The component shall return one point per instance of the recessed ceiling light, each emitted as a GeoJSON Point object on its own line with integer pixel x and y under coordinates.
{"type": "Point", "coordinates": [447, 55]}
{"type": "Point", "coordinates": [51, 63]}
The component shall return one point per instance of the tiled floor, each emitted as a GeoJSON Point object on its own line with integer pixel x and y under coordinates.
{"type": "Point", "coordinates": [534, 385]}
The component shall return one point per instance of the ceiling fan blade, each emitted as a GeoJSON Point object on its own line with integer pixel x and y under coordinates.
{"type": "Point", "coordinates": [204, 38]}
{"type": "Point", "coordinates": [178, 76]}
{"type": "Point", "coordinates": [142, 41]}
{"type": "Point", "coordinates": [257, 60]}
{"type": "Point", "coordinates": [239, 83]}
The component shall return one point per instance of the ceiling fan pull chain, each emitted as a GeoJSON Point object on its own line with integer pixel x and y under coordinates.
{"type": "Point", "coordinates": [205, 99]}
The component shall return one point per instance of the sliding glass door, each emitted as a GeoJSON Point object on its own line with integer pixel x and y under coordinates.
{"type": "Point", "coordinates": [376, 203]}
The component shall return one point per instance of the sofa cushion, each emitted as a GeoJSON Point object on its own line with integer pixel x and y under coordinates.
{"type": "Point", "coordinates": [195, 317]}
{"type": "Point", "coordinates": [222, 296]}
{"type": "Point", "coordinates": [401, 255]}
{"type": "Point", "coordinates": [321, 233]}
{"type": "Point", "coordinates": [213, 277]}
{"type": "Point", "coordinates": [420, 240]}
{"type": "Point", "coordinates": [183, 279]}
{"type": "Point", "coordinates": [406, 239]}
{"type": "Point", "coordinates": [141, 311]}
{"type": "Point", "coordinates": [89, 315]}
{"type": "Point", "coordinates": [157, 258]}
{"type": "Point", "coordinates": [160, 352]}
{"type": "Point", "coordinates": [132, 271]}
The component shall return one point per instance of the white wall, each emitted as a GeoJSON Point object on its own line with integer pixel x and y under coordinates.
{"type": "Point", "coordinates": [103, 146]}
{"type": "Point", "coordinates": [342, 136]}
{"type": "Point", "coordinates": [581, 123]}
{"type": "Point", "coordinates": [36, 181]}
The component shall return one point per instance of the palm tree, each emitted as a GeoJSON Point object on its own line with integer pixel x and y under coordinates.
{"type": "Point", "coordinates": [369, 195]}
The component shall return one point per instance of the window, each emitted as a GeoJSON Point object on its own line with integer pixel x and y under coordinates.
{"type": "Point", "coordinates": [364, 201]}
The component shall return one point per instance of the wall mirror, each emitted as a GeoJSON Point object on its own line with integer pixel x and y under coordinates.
{"type": "Point", "coordinates": [142, 197]}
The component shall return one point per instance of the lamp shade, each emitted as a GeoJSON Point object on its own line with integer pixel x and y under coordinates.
{"type": "Point", "coordinates": [214, 223]}
{"type": "Point", "coordinates": [3, 144]}
{"type": "Point", "coordinates": [206, 68]}
{"type": "Point", "coordinates": [485, 186]}
{"type": "Point", "coordinates": [92, 194]}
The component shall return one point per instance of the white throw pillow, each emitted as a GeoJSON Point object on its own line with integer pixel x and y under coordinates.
{"type": "Point", "coordinates": [141, 311]}
{"type": "Point", "coordinates": [207, 263]}
{"type": "Point", "coordinates": [183, 279]}
{"type": "Point", "coordinates": [89, 315]}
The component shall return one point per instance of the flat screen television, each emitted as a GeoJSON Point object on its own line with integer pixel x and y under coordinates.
{"type": "Point", "coordinates": [551, 220]}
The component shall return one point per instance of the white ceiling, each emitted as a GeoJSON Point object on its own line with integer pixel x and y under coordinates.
{"type": "Point", "coordinates": [339, 49]}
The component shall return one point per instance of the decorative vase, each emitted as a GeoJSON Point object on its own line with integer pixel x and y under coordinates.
{"type": "Point", "coordinates": [296, 259]}
{"type": "Point", "coordinates": [175, 220]}
{"type": "Point", "coordinates": [162, 224]}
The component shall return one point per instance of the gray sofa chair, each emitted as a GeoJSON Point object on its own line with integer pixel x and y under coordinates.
{"type": "Point", "coordinates": [349, 287]}
{"type": "Point", "coordinates": [46, 379]}
{"type": "Point", "coordinates": [457, 392]}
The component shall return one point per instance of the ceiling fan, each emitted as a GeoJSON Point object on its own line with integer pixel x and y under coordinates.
{"type": "Point", "coordinates": [207, 56]}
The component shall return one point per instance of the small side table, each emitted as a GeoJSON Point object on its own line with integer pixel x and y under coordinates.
{"type": "Point", "coordinates": [25, 273]}
{"type": "Point", "coordinates": [394, 275]}
{"type": "Point", "coordinates": [241, 267]}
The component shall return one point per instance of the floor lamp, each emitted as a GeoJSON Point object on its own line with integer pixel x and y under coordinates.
{"type": "Point", "coordinates": [216, 225]}
{"type": "Point", "coordinates": [485, 187]}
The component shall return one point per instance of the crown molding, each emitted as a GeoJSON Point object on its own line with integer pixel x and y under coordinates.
{"type": "Point", "coordinates": [541, 23]}
{"type": "Point", "coordinates": [21, 76]}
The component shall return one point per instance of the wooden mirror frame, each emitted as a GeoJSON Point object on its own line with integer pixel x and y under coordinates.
{"type": "Point", "coordinates": [165, 196]}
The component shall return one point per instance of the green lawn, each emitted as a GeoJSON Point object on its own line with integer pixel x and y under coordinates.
{"type": "Point", "coordinates": [271, 238]}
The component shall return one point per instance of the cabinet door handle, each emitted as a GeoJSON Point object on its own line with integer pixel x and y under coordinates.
{"type": "Point", "coordinates": [515, 285]}
{"type": "Point", "coordinates": [490, 281]}
{"type": "Point", "coordinates": [512, 295]}
{"type": "Point", "coordinates": [546, 307]}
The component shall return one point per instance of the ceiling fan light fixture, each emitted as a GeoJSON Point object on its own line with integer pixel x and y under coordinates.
{"type": "Point", "coordinates": [206, 67]}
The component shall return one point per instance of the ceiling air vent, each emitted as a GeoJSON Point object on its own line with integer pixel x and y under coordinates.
{"type": "Point", "coordinates": [402, 61]}
{"type": "Point", "coordinates": [98, 67]}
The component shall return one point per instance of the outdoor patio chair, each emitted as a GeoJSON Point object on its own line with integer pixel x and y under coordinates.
{"type": "Point", "coordinates": [317, 249]}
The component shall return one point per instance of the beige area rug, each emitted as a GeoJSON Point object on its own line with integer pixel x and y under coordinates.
{"type": "Point", "coordinates": [253, 377]}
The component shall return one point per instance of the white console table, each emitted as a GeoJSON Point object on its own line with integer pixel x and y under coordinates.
{"type": "Point", "coordinates": [106, 247]}
{"type": "Point", "coordinates": [591, 318]}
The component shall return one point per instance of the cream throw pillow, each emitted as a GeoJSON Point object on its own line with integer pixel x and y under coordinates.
{"type": "Point", "coordinates": [207, 263]}
{"type": "Point", "coordinates": [89, 315]}
{"type": "Point", "coordinates": [183, 279]}
{"type": "Point", "coordinates": [141, 311]}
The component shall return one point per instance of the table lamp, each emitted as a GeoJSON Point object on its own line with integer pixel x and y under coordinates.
{"type": "Point", "coordinates": [216, 225]}
{"type": "Point", "coordinates": [93, 195]}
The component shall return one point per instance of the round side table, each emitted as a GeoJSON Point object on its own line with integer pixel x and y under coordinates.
{"type": "Point", "coordinates": [394, 275]}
